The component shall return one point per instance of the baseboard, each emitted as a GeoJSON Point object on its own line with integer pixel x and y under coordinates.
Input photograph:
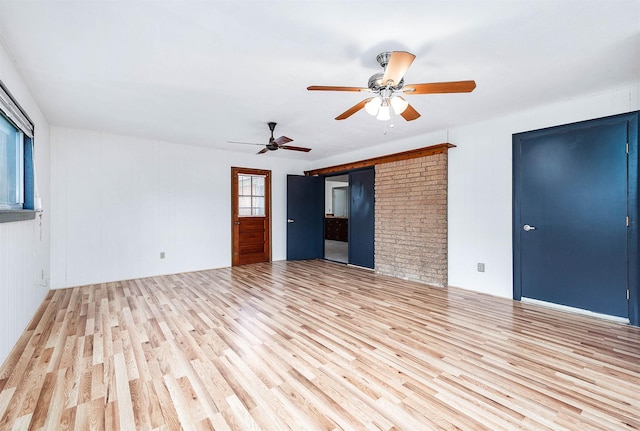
{"type": "Point", "coordinates": [575, 310]}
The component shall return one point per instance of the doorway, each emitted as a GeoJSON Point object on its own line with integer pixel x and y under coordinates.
{"type": "Point", "coordinates": [574, 186]}
{"type": "Point", "coordinates": [336, 221]}
{"type": "Point", "coordinates": [306, 217]}
{"type": "Point", "coordinates": [250, 216]}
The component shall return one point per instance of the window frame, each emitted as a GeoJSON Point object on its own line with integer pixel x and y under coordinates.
{"type": "Point", "coordinates": [18, 161]}
{"type": "Point", "coordinates": [255, 209]}
{"type": "Point", "coordinates": [11, 110]}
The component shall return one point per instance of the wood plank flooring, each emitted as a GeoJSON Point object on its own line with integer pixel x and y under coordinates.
{"type": "Point", "coordinates": [313, 346]}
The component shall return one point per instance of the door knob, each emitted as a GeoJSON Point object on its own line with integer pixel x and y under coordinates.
{"type": "Point", "coordinates": [527, 228]}
{"type": "Point", "coordinates": [290, 220]}
{"type": "Point", "coordinates": [237, 222]}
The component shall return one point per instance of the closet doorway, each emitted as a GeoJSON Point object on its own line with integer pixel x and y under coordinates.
{"type": "Point", "coordinates": [305, 207]}
{"type": "Point", "coordinates": [336, 221]}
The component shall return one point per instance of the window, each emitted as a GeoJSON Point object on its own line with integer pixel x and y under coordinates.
{"type": "Point", "coordinates": [250, 195]}
{"type": "Point", "coordinates": [16, 155]}
{"type": "Point", "coordinates": [11, 165]}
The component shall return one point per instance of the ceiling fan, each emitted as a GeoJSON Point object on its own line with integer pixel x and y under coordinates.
{"type": "Point", "coordinates": [275, 144]}
{"type": "Point", "coordinates": [388, 84]}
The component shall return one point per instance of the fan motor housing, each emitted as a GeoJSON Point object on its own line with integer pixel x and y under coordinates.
{"type": "Point", "coordinates": [375, 83]}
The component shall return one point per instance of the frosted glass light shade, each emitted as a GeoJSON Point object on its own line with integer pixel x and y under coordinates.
{"type": "Point", "coordinates": [373, 105]}
{"type": "Point", "coordinates": [383, 113]}
{"type": "Point", "coordinates": [398, 104]}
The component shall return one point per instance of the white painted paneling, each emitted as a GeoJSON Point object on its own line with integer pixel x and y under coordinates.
{"type": "Point", "coordinates": [24, 246]}
{"type": "Point", "coordinates": [121, 201]}
{"type": "Point", "coordinates": [480, 208]}
{"type": "Point", "coordinates": [58, 212]}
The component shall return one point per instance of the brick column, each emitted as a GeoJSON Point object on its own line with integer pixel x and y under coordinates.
{"type": "Point", "coordinates": [411, 219]}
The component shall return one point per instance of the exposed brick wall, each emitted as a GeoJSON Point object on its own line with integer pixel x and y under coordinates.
{"type": "Point", "coordinates": [411, 219]}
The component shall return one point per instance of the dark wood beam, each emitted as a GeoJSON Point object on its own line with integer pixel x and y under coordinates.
{"type": "Point", "coordinates": [404, 155]}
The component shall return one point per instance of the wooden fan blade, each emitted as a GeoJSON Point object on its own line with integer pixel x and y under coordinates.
{"type": "Point", "coordinates": [334, 88]}
{"type": "Point", "coordinates": [262, 151]}
{"type": "Point", "coordinates": [289, 147]}
{"type": "Point", "coordinates": [410, 113]}
{"type": "Point", "coordinates": [440, 87]}
{"type": "Point", "coordinates": [398, 64]}
{"type": "Point", "coordinates": [355, 108]}
{"type": "Point", "coordinates": [282, 140]}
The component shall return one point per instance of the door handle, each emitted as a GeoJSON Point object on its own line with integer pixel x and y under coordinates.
{"type": "Point", "coordinates": [290, 220]}
{"type": "Point", "coordinates": [527, 228]}
{"type": "Point", "coordinates": [236, 222]}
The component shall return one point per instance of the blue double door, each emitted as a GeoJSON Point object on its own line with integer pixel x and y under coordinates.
{"type": "Point", "coordinates": [574, 230]}
{"type": "Point", "coordinates": [305, 217]}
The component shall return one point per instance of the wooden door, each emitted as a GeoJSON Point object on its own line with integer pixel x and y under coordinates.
{"type": "Point", "coordinates": [250, 216]}
{"type": "Point", "coordinates": [571, 227]}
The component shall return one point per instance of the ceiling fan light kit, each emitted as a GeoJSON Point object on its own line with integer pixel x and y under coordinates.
{"type": "Point", "coordinates": [384, 113]}
{"type": "Point", "coordinates": [379, 107]}
{"type": "Point", "coordinates": [398, 104]}
{"type": "Point", "coordinates": [386, 84]}
{"type": "Point", "coordinates": [373, 105]}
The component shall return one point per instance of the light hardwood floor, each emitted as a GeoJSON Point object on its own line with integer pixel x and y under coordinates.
{"type": "Point", "coordinates": [313, 345]}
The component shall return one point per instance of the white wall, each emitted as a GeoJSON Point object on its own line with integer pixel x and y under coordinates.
{"type": "Point", "coordinates": [480, 182]}
{"type": "Point", "coordinates": [24, 246]}
{"type": "Point", "coordinates": [120, 201]}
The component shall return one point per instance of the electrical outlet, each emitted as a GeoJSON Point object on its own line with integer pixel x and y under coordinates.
{"type": "Point", "coordinates": [162, 255]}
{"type": "Point", "coordinates": [480, 267]}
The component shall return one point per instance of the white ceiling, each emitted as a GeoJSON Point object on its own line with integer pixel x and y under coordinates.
{"type": "Point", "coordinates": [206, 72]}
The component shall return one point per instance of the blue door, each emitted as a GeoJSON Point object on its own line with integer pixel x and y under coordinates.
{"type": "Point", "coordinates": [305, 217]}
{"type": "Point", "coordinates": [361, 218]}
{"type": "Point", "coordinates": [570, 216]}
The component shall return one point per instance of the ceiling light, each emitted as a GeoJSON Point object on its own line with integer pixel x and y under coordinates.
{"type": "Point", "coordinates": [383, 113]}
{"type": "Point", "coordinates": [373, 105]}
{"type": "Point", "coordinates": [398, 104]}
